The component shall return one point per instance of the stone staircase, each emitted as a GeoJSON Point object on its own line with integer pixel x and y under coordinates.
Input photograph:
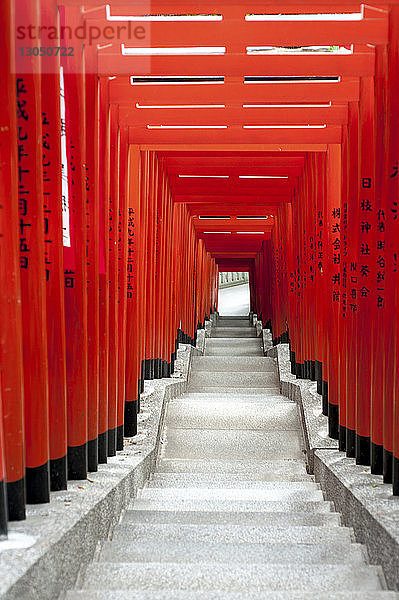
{"type": "Point", "coordinates": [230, 512]}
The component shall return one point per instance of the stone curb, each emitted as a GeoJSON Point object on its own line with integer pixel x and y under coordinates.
{"type": "Point", "coordinates": [364, 501]}
{"type": "Point", "coordinates": [304, 393]}
{"type": "Point", "coordinates": [366, 504]}
{"type": "Point", "coordinates": [43, 554]}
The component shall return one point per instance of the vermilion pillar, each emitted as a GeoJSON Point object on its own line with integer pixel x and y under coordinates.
{"type": "Point", "coordinates": [92, 97]}
{"type": "Point", "coordinates": [379, 358]}
{"type": "Point", "coordinates": [333, 252]}
{"type": "Point", "coordinates": [53, 248]}
{"type": "Point", "coordinates": [352, 286]}
{"type": "Point", "coordinates": [133, 292]}
{"type": "Point", "coordinates": [11, 357]}
{"type": "Point", "coordinates": [365, 269]}
{"type": "Point", "coordinates": [113, 280]}
{"type": "Point", "coordinates": [32, 263]}
{"type": "Point", "coordinates": [75, 262]}
{"type": "Point", "coordinates": [103, 270]}
{"type": "Point", "coordinates": [122, 281]}
{"type": "Point", "coordinates": [391, 408]}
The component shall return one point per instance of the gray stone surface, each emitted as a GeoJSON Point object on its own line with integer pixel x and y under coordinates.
{"type": "Point", "coordinates": [258, 395]}
{"type": "Point", "coordinates": [232, 363]}
{"type": "Point", "coordinates": [230, 533]}
{"type": "Point", "coordinates": [277, 519]}
{"type": "Point", "coordinates": [233, 332]}
{"type": "Point", "coordinates": [243, 351]}
{"type": "Point", "coordinates": [275, 552]}
{"type": "Point", "coordinates": [228, 577]}
{"type": "Point", "coordinates": [232, 344]}
{"type": "Point", "coordinates": [223, 595]}
{"type": "Point", "coordinates": [224, 481]}
{"type": "Point", "coordinates": [234, 391]}
{"type": "Point", "coordinates": [366, 504]}
{"type": "Point", "coordinates": [227, 445]}
{"type": "Point", "coordinates": [232, 505]}
{"type": "Point", "coordinates": [66, 531]}
{"type": "Point", "coordinates": [269, 492]}
{"type": "Point", "coordinates": [231, 415]}
{"type": "Point", "coordinates": [304, 393]}
{"type": "Point", "coordinates": [237, 380]}
{"type": "Point", "coordinates": [263, 470]}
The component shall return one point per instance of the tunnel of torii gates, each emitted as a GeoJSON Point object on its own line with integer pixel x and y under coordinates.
{"type": "Point", "coordinates": [160, 144]}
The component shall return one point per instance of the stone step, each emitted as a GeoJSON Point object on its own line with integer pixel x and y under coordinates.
{"type": "Point", "coordinates": [228, 577]}
{"type": "Point", "coordinates": [226, 322]}
{"type": "Point", "coordinates": [233, 364]}
{"type": "Point", "coordinates": [176, 594]}
{"type": "Point", "coordinates": [231, 415]}
{"type": "Point", "coordinates": [171, 552]}
{"type": "Point", "coordinates": [231, 506]}
{"type": "Point", "coordinates": [237, 534]}
{"type": "Point", "coordinates": [246, 396]}
{"type": "Point", "coordinates": [233, 391]}
{"type": "Point", "coordinates": [231, 445]}
{"type": "Point", "coordinates": [259, 470]}
{"type": "Point", "coordinates": [245, 380]}
{"type": "Point", "coordinates": [266, 492]}
{"type": "Point", "coordinates": [276, 519]}
{"type": "Point", "coordinates": [224, 481]}
{"type": "Point", "coordinates": [226, 351]}
{"type": "Point", "coordinates": [233, 332]}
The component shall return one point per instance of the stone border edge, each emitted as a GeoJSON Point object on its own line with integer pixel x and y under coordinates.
{"type": "Point", "coordinates": [364, 501]}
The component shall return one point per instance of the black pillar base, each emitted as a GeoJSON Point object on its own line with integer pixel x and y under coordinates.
{"type": "Point", "coordinates": [16, 498]}
{"type": "Point", "coordinates": [377, 459]}
{"type": "Point", "coordinates": [139, 392]}
{"type": "Point", "coordinates": [387, 466]}
{"type": "Point", "coordinates": [395, 476]}
{"type": "Point", "coordinates": [92, 455]}
{"type": "Point", "coordinates": [333, 421]}
{"type": "Point", "coordinates": [318, 368]}
{"type": "Point", "coordinates": [77, 462]}
{"type": "Point", "coordinates": [3, 508]}
{"type": "Point", "coordinates": [38, 484]}
{"type": "Point", "coordinates": [312, 370]}
{"type": "Point", "coordinates": [157, 368]}
{"type": "Point", "coordinates": [119, 438]}
{"type": "Point", "coordinates": [362, 450]}
{"type": "Point", "coordinates": [324, 394]}
{"type": "Point", "coordinates": [342, 438]}
{"type": "Point", "coordinates": [299, 370]}
{"type": "Point", "coordinates": [165, 369]}
{"type": "Point", "coordinates": [130, 427]}
{"type": "Point", "coordinates": [293, 363]}
{"type": "Point", "coordinates": [102, 448]}
{"type": "Point", "coordinates": [58, 474]}
{"type": "Point", "coordinates": [147, 368]}
{"type": "Point", "coordinates": [350, 443]}
{"type": "Point", "coordinates": [111, 451]}
{"type": "Point", "coordinates": [142, 376]}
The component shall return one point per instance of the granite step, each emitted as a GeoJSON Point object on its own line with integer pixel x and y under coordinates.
{"type": "Point", "coordinates": [237, 534]}
{"type": "Point", "coordinates": [233, 364]}
{"type": "Point", "coordinates": [239, 380]}
{"type": "Point", "coordinates": [231, 578]}
{"type": "Point", "coordinates": [177, 594]}
{"type": "Point", "coordinates": [191, 517]}
{"type": "Point", "coordinates": [333, 553]}
{"type": "Point", "coordinates": [258, 470]}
